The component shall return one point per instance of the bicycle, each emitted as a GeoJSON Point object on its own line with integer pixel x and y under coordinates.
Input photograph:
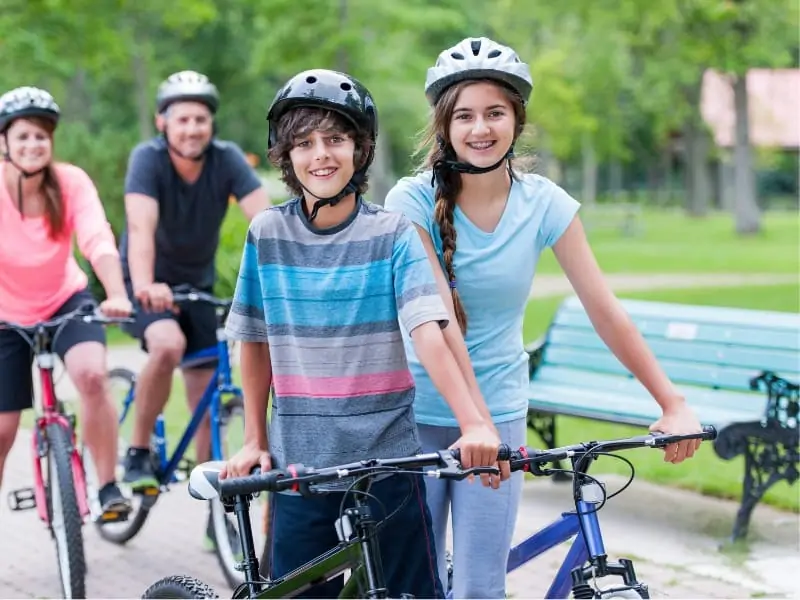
{"type": "Point", "coordinates": [586, 560]}
{"type": "Point", "coordinates": [61, 496]}
{"type": "Point", "coordinates": [223, 400]}
{"type": "Point", "coordinates": [356, 527]}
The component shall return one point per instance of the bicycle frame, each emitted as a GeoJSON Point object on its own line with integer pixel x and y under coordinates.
{"type": "Point", "coordinates": [51, 412]}
{"type": "Point", "coordinates": [220, 384]}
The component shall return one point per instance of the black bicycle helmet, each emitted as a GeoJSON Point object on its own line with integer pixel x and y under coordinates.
{"type": "Point", "coordinates": [187, 86]}
{"type": "Point", "coordinates": [27, 102]}
{"type": "Point", "coordinates": [339, 92]}
{"type": "Point", "coordinates": [478, 58]}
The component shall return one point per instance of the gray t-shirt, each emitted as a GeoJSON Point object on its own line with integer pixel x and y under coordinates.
{"type": "Point", "coordinates": [330, 304]}
{"type": "Point", "coordinates": [190, 215]}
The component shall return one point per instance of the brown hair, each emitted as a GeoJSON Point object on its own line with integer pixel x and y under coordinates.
{"type": "Point", "coordinates": [299, 123]}
{"type": "Point", "coordinates": [436, 138]}
{"type": "Point", "coordinates": [53, 198]}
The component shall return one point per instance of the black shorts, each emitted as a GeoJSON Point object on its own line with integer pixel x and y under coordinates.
{"type": "Point", "coordinates": [16, 356]}
{"type": "Point", "coordinates": [197, 320]}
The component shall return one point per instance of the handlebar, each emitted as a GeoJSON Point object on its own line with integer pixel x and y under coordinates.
{"type": "Point", "coordinates": [300, 478]}
{"type": "Point", "coordinates": [88, 313]}
{"type": "Point", "coordinates": [185, 293]}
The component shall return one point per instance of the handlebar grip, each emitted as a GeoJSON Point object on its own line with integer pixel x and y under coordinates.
{"type": "Point", "coordinates": [504, 452]}
{"type": "Point", "coordinates": [709, 433]}
{"type": "Point", "coordinates": [253, 483]}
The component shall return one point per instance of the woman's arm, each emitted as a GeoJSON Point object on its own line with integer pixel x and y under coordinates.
{"type": "Point", "coordinates": [619, 333]}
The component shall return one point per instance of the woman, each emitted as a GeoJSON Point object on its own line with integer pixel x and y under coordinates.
{"type": "Point", "coordinates": [42, 205]}
{"type": "Point", "coordinates": [484, 225]}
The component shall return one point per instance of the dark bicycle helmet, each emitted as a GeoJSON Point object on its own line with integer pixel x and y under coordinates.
{"type": "Point", "coordinates": [478, 58]}
{"type": "Point", "coordinates": [27, 102]}
{"type": "Point", "coordinates": [187, 86]}
{"type": "Point", "coordinates": [339, 92]}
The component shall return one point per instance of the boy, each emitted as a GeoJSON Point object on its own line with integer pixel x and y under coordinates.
{"type": "Point", "coordinates": [325, 282]}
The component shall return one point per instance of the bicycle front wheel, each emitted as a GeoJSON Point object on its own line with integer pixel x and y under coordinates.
{"type": "Point", "coordinates": [179, 586]}
{"type": "Point", "coordinates": [65, 517]}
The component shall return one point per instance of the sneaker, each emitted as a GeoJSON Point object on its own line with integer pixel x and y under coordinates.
{"type": "Point", "coordinates": [210, 539]}
{"type": "Point", "coordinates": [113, 505]}
{"type": "Point", "coordinates": [139, 471]}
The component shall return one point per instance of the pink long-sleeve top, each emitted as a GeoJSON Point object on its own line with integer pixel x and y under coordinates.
{"type": "Point", "coordinates": [38, 274]}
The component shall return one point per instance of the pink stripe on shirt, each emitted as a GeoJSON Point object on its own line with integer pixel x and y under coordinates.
{"type": "Point", "coordinates": [343, 387]}
{"type": "Point", "coordinates": [38, 274]}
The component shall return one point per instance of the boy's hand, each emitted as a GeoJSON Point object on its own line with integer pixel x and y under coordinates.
{"type": "Point", "coordinates": [241, 463]}
{"type": "Point", "coordinates": [479, 445]}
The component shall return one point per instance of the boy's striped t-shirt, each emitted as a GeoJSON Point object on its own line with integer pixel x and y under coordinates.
{"type": "Point", "coordinates": [330, 303]}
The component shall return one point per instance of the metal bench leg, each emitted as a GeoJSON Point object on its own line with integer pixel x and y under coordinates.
{"type": "Point", "coordinates": [766, 463]}
{"type": "Point", "coordinates": [544, 425]}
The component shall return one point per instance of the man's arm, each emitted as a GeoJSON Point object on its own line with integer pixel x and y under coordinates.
{"type": "Point", "coordinates": [142, 219]}
{"type": "Point", "coordinates": [254, 203]}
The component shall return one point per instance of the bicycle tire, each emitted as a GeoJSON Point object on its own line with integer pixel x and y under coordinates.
{"type": "Point", "coordinates": [59, 464]}
{"type": "Point", "coordinates": [226, 555]}
{"type": "Point", "coordinates": [180, 586]}
{"type": "Point", "coordinates": [121, 533]}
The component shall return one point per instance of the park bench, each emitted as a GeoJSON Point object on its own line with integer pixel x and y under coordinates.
{"type": "Point", "coordinates": [738, 370]}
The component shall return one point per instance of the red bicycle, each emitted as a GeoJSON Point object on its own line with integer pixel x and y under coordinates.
{"type": "Point", "coordinates": [60, 492]}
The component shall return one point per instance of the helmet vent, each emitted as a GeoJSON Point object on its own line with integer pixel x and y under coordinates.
{"type": "Point", "coordinates": [476, 47]}
{"type": "Point", "coordinates": [345, 86]}
{"type": "Point", "coordinates": [494, 53]}
{"type": "Point", "coordinates": [311, 79]}
{"type": "Point", "coordinates": [457, 55]}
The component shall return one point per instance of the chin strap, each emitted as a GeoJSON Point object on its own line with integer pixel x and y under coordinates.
{"type": "Point", "coordinates": [173, 149]}
{"type": "Point", "coordinates": [450, 163]}
{"type": "Point", "coordinates": [23, 174]}
{"type": "Point", "coordinates": [351, 188]}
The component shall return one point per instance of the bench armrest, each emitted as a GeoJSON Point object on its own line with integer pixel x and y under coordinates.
{"type": "Point", "coordinates": [782, 399]}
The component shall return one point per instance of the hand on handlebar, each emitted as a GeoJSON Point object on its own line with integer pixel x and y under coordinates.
{"type": "Point", "coordinates": [155, 296]}
{"type": "Point", "coordinates": [116, 307]}
{"type": "Point", "coordinates": [679, 421]}
{"type": "Point", "coordinates": [478, 446]}
{"type": "Point", "coordinates": [242, 463]}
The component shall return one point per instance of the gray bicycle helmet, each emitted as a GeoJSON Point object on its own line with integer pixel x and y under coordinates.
{"type": "Point", "coordinates": [187, 86]}
{"type": "Point", "coordinates": [27, 102]}
{"type": "Point", "coordinates": [478, 58]}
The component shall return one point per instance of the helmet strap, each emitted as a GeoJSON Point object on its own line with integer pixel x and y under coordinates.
{"type": "Point", "coordinates": [23, 174]}
{"type": "Point", "coordinates": [448, 163]}
{"type": "Point", "coordinates": [351, 188]}
{"type": "Point", "coordinates": [199, 158]}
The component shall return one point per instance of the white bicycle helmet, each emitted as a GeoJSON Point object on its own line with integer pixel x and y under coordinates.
{"type": "Point", "coordinates": [478, 58]}
{"type": "Point", "coordinates": [27, 102]}
{"type": "Point", "coordinates": [187, 86]}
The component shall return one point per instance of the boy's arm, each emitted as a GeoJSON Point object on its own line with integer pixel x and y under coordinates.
{"type": "Point", "coordinates": [256, 369]}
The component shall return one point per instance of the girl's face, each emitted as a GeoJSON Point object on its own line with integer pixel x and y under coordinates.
{"type": "Point", "coordinates": [29, 145]}
{"type": "Point", "coordinates": [482, 127]}
{"type": "Point", "coordinates": [323, 161]}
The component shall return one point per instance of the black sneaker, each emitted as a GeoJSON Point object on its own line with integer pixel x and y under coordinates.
{"type": "Point", "coordinates": [113, 505]}
{"type": "Point", "coordinates": [139, 471]}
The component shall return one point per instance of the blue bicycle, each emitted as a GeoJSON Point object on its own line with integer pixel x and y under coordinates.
{"type": "Point", "coordinates": [223, 401]}
{"type": "Point", "coordinates": [586, 561]}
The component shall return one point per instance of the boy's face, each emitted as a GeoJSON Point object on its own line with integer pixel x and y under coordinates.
{"type": "Point", "coordinates": [323, 161]}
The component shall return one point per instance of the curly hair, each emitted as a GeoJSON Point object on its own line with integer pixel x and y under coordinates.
{"type": "Point", "coordinates": [299, 123]}
{"type": "Point", "coordinates": [437, 139]}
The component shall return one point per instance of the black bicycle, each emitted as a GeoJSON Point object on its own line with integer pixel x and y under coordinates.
{"type": "Point", "coordinates": [357, 551]}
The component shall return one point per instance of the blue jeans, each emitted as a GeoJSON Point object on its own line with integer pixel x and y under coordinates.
{"type": "Point", "coordinates": [483, 518]}
{"type": "Point", "coordinates": [303, 528]}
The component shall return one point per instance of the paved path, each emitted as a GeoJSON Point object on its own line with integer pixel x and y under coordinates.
{"type": "Point", "coordinates": [672, 535]}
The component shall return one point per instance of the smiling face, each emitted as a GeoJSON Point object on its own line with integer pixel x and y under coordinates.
{"type": "Point", "coordinates": [30, 144]}
{"type": "Point", "coordinates": [323, 161]}
{"type": "Point", "coordinates": [189, 127]}
{"type": "Point", "coordinates": [483, 124]}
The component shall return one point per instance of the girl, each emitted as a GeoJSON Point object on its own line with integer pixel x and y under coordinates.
{"type": "Point", "coordinates": [484, 225]}
{"type": "Point", "coordinates": [42, 205]}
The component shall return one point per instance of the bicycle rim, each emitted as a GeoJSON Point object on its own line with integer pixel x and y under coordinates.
{"type": "Point", "coordinates": [66, 522]}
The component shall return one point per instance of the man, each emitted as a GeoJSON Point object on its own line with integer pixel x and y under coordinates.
{"type": "Point", "coordinates": [177, 192]}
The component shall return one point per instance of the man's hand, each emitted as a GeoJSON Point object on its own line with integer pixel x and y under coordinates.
{"type": "Point", "coordinates": [156, 297]}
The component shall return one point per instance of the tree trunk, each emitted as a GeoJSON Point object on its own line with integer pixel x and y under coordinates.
{"type": "Point", "coordinates": [141, 78]}
{"type": "Point", "coordinates": [748, 219]}
{"type": "Point", "coordinates": [589, 159]}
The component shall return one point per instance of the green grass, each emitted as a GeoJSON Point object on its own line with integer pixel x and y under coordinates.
{"type": "Point", "coordinates": [726, 481]}
{"type": "Point", "coordinates": [675, 243]}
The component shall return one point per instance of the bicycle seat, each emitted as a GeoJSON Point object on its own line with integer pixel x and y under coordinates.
{"type": "Point", "coordinates": [204, 480]}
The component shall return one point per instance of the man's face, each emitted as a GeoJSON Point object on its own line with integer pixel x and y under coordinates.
{"type": "Point", "coordinates": [188, 126]}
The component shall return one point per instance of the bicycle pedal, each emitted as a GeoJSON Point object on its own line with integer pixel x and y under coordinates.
{"type": "Point", "coordinates": [22, 499]}
{"type": "Point", "coordinates": [112, 516]}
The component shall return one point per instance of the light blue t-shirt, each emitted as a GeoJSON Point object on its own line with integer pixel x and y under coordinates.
{"type": "Point", "coordinates": [494, 273]}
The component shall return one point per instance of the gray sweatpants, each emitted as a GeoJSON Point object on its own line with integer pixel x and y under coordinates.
{"type": "Point", "coordinates": [483, 518]}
